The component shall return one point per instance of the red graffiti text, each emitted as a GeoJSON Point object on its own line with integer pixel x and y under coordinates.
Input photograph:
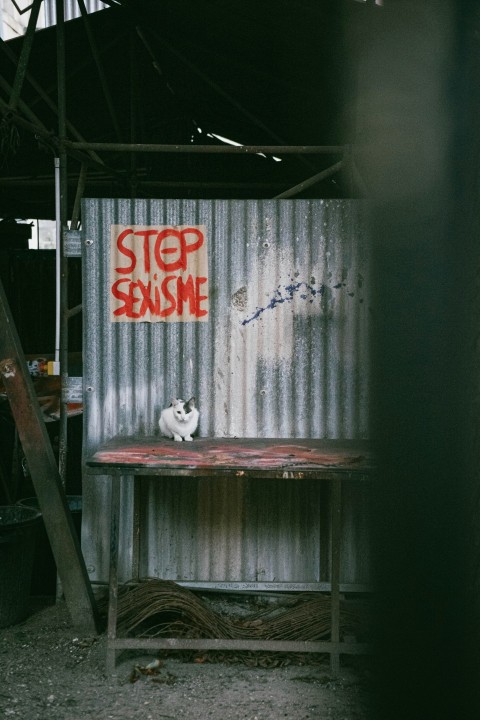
{"type": "Point", "coordinates": [158, 273]}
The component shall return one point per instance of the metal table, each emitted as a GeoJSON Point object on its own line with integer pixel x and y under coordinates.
{"type": "Point", "coordinates": [331, 461]}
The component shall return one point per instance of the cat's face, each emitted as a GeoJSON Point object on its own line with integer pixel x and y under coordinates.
{"type": "Point", "coordinates": [182, 410]}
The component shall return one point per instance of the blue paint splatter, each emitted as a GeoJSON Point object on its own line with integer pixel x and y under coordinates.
{"type": "Point", "coordinates": [285, 294]}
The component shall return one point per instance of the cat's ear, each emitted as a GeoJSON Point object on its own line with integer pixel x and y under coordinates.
{"type": "Point", "coordinates": [174, 401]}
{"type": "Point", "coordinates": [191, 402]}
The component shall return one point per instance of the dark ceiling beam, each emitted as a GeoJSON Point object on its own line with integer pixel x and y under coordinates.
{"type": "Point", "coordinates": [225, 95]}
{"type": "Point", "coordinates": [7, 110]}
{"type": "Point", "coordinates": [51, 141]}
{"type": "Point", "coordinates": [82, 64]}
{"type": "Point", "coordinates": [155, 63]}
{"type": "Point", "coordinates": [100, 69]}
{"type": "Point", "coordinates": [220, 91]}
{"type": "Point", "coordinates": [25, 55]}
{"type": "Point", "coordinates": [43, 95]}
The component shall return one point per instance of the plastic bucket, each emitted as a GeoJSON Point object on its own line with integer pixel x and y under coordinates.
{"type": "Point", "coordinates": [44, 575]}
{"type": "Point", "coordinates": [18, 530]}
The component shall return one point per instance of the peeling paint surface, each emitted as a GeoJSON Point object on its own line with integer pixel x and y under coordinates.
{"type": "Point", "coordinates": [219, 456]}
{"type": "Point", "coordinates": [284, 354]}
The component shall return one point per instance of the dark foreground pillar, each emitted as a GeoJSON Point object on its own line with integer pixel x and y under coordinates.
{"type": "Point", "coordinates": [418, 153]}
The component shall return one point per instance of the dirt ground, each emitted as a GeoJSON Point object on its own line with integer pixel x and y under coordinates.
{"type": "Point", "coordinates": [50, 672]}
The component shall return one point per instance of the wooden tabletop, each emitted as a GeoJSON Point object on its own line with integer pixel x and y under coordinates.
{"type": "Point", "coordinates": [294, 458]}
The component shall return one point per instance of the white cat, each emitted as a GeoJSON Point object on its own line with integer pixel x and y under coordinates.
{"type": "Point", "coordinates": [180, 420]}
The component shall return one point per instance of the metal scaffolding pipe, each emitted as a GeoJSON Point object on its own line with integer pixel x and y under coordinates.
{"type": "Point", "coordinates": [100, 69]}
{"type": "Point", "coordinates": [210, 149]}
{"type": "Point", "coordinates": [78, 197]}
{"type": "Point", "coordinates": [311, 181]}
{"type": "Point", "coordinates": [35, 126]}
{"type": "Point", "coordinates": [25, 54]}
{"type": "Point", "coordinates": [44, 96]}
{"type": "Point", "coordinates": [75, 310]}
{"type": "Point", "coordinates": [101, 181]}
{"type": "Point", "coordinates": [9, 112]}
{"type": "Point", "coordinates": [58, 262]}
{"type": "Point", "coordinates": [220, 91]}
{"type": "Point", "coordinates": [62, 221]}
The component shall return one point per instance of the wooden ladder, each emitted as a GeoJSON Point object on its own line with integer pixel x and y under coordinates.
{"type": "Point", "coordinates": [45, 475]}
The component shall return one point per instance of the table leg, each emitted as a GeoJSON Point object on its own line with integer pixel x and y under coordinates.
{"type": "Point", "coordinates": [113, 580]}
{"type": "Point", "coordinates": [335, 572]}
{"type": "Point", "coordinates": [137, 494]}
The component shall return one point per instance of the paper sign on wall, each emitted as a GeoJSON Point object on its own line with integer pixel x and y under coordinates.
{"type": "Point", "coordinates": [158, 273]}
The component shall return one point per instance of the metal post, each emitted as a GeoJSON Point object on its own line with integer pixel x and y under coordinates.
{"type": "Point", "coordinates": [113, 573]}
{"type": "Point", "coordinates": [58, 238]}
{"type": "Point", "coordinates": [62, 215]}
{"type": "Point", "coordinates": [336, 510]}
{"type": "Point", "coordinates": [62, 221]}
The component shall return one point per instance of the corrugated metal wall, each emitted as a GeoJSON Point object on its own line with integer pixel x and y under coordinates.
{"type": "Point", "coordinates": [283, 354]}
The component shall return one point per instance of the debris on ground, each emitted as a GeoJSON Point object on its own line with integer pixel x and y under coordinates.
{"type": "Point", "coordinates": [50, 670]}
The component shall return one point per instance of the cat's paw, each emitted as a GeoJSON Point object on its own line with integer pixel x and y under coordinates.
{"type": "Point", "coordinates": [188, 438]}
{"type": "Point", "coordinates": [176, 437]}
